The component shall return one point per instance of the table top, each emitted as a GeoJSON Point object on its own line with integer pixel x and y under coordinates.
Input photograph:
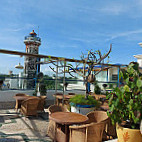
{"type": "Point", "coordinates": [68, 118]}
{"type": "Point", "coordinates": [22, 97]}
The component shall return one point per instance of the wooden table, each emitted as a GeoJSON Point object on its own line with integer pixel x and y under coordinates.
{"type": "Point", "coordinates": [22, 98]}
{"type": "Point", "coordinates": [59, 98]}
{"type": "Point", "coordinates": [68, 118]}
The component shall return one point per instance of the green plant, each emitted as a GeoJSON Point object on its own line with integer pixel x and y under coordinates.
{"type": "Point", "coordinates": [42, 89]}
{"type": "Point", "coordinates": [126, 102]}
{"type": "Point", "coordinates": [97, 89]}
{"type": "Point", "coordinates": [81, 100]}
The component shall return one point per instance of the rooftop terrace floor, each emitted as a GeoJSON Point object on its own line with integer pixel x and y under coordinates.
{"type": "Point", "coordinates": [16, 128]}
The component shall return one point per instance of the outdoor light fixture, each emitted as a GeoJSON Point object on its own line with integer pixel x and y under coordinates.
{"type": "Point", "coordinates": [19, 66]}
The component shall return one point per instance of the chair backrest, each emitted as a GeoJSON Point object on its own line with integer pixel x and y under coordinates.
{"type": "Point", "coordinates": [41, 103]}
{"type": "Point", "coordinates": [78, 133]}
{"type": "Point", "coordinates": [31, 105]}
{"type": "Point", "coordinates": [71, 93]}
{"type": "Point", "coordinates": [97, 116]}
{"type": "Point", "coordinates": [92, 132]}
{"type": "Point", "coordinates": [56, 108]}
{"type": "Point", "coordinates": [61, 94]}
{"type": "Point", "coordinates": [21, 94]}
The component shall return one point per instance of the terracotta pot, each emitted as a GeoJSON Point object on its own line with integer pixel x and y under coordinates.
{"type": "Point", "coordinates": [128, 135]}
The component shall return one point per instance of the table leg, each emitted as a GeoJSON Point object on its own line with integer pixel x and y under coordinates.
{"type": "Point", "coordinates": [67, 132]}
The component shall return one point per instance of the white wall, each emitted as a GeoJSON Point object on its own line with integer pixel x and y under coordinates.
{"type": "Point", "coordinates": [13, 83]}
{"type": "Point", "coordinates": [140, 62]}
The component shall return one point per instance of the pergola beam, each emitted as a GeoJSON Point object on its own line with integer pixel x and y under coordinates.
{"type": "Point", "coordinates": [51, 58]}
{"type": "Point", "coordinates": [39, 56]}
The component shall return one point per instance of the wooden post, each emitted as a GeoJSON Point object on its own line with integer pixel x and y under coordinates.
{"type": "Point", "coordinates": [56, 81]}
{"type": "Point", "coordinates": [64, 83]}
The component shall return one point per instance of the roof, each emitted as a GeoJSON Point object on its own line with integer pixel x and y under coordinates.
{"type": "Point", "coordinates": [138, 56]}
{"type": "Point", "coordinates": [33, 33]}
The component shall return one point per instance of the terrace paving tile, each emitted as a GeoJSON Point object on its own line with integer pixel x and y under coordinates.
{"type": "Point", "coordinates": [14, 127]}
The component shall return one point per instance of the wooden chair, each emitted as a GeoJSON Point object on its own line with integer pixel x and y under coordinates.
{"type": "Point", "coordinates": [110, 131]}
{"type": "Point", "coordinates": [57, 101]}
{"type": "Point", "coordinates": [18, 102]}
{"type": "Point", "coordinates": [71, 93]}
{"type": "Point", "coordinates": [41, 103]}
{"type": "Point", "coordinates": [101, 116]}
{"type": "Point", "coordinates": [29, 106]}
{"type": "Point", "coordinates": [87, 133]}
{"type": "Point", "coordinates": [56, 131]}
{"type": "Point", "coordinates": [97, 116]}
{"type": "Point", "coordinates": [91, 132]}
{"type": "Point", "coordinates": [56, 108]}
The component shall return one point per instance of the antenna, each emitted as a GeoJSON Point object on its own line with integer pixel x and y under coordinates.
{"type": "Point", "coordinates": [38, 31]}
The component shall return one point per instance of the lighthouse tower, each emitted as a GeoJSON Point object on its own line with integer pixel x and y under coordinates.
{"type": "Point", "coordinates": [32, 43]}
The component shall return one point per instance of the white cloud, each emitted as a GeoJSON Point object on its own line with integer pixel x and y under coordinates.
{"type": "Point", "coordinates": [20, 27]}
{"type": "Point", "coordinates": [114, 9]}
{"type": "Point", "coordinates": [124, 34]}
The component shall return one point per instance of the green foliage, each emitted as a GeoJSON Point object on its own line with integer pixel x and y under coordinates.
{"type": "Point", "coordinates": [47, 80]}
{"type": "Point", "coordinates": [97, 89]}
{"type": "Point", "coordinates": [42, 89]}
{"type": "Point", "coordinates": [125, 102]}
{"type": "Point", "coordinates": [80, 99]}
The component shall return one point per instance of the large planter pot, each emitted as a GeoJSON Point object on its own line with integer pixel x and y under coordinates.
{"type": "Point", "coordinates": [83, 109]}
{"type": "Point", "coordinates": [128, 135]}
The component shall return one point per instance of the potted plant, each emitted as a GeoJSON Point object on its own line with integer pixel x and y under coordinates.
{"type": "Point", "coordinates": [82, 105]}
{"type": "Point", "coordinates": [40, 89]}
{"type": "Point", "coordinates": [125, 105]}
{"type": "Point", "coordinates": [97, 89]}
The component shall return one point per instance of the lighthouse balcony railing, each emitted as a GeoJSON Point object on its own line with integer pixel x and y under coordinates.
{"type": "Point", "coordinates": [33, 38]}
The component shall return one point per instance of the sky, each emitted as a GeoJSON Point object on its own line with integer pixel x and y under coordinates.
{"type": "Point", "coordinates": [69, 27]}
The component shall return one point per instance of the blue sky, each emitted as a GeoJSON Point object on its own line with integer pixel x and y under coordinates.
{"type": "Point", "coordinates": [69, 27]}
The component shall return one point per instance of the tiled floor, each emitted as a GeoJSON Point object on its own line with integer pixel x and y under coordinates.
{"type": "Point", "coordinates": [16, 128]}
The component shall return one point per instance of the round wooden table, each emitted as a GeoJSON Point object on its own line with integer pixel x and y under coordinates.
{"type": "Point", "coordinates": [68, 118]}
{"type": "Point", "coordinates": [59, 98]}
{"type": "Point", "coordinates": [22, 98]}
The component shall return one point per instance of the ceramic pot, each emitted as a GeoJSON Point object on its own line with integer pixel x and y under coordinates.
{"type": "Point", "coordinates": [83, 109]}
{"type": "Point", "coordinates": [128, 135]}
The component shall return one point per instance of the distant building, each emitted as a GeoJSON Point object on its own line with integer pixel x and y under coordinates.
{"type": "Point", "coordinates": [32, 42]}
{"type": "Point", "coordinates": [139, 57]}
{"type": "Point", "coordinates": [10, 72]}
